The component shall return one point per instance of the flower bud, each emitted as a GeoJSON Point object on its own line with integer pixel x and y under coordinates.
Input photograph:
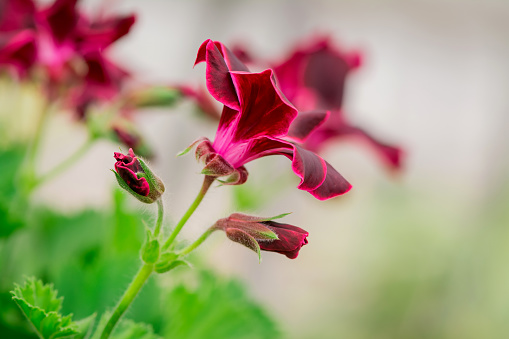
{"type": "Point", "coordinates": [155, 96]}
{"type": "Point", "coordinates": [135, 177]}
{"type": "Point", "coordinates": [264, 234]}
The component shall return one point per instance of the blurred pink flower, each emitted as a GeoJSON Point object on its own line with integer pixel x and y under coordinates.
{"type": "Point", "coordinates": [255, 118]}
{"type": "Point", "coordinates": [313, 78]}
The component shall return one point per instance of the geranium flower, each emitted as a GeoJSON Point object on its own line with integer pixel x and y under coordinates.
{"type": "Point", "coordinates": [135, 176]}
{"type": "Point", "coordinates": [61, 35]}
{"type": "Point", "coordinates": [313, 78]}
{"type": "Point", "coordinates": [16, 15]}
{"type": "Point", "coordinates": [255, 119]}
{"type": "Point", "coordinates": [264, 234]}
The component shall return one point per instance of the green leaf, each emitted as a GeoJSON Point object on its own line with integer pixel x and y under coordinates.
{"type": "Point", "coordinates": [213, 307]}
{"type": "Point", "coordinates": [41, 307]}
{"type": "Point", "coordinates": [85, 326]}
{"type": "Point", "coordinates": [126, 329]}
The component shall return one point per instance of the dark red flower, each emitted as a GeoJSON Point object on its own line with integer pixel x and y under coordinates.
{"type": "Point", "coordinates": [62, 35]}
{"type": "Point", "coordinates": [135, 176]}
{"type": "Point", "coordinates": [19, 53]}
{"type": "Point", "coordinates": [255, 118]}
{"type": "Point", "coordinates": [16, 15]}
{"type": "Point", "coordinates": [264, 234]}
{"type": "Point", "coordinates": [128, 167]}
{"type": "Point", "coordinates": [313, 78]}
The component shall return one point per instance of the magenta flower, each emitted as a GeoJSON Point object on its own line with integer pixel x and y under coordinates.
{"type": "Point", "coordinates": [16, 15]}
{"type": "Point", "coordinates": [19, 53]}
{"type": "Point", "coordinates": [255, 119]}
{"type": "Point", "coordinates": [313, 78]}
{"type": "Point", "coordinates": [128, 167]}
{"type": "Point", "coordinates": [264, 234]}
{"type": "Point", "coordinates": [136, 178]}
{"type": "Point", "coordinates": [61, 35]}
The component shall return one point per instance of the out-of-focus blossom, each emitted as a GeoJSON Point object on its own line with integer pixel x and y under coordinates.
{"type": "Point", "coordinates": [264, 234]}
{"type": "Point", "coordinates": [16, 15]}
{"type": "Point", "coordinates": [255, 118]}
{"type": "Point", "coordinates": [202, 99]}
{"type": "Point", "coordinates": [136, 178]}
{"type": "Point", "coordinates": [19, 53]}
{"type": "Point", "coordinates": [313, 78]}
{"type": "Point", "coordinates": [62, 38]}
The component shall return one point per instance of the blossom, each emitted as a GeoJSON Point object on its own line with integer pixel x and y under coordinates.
{"type": "Point", "coordinates": [264, 234]}
{"type": "Point", "coordinates": [135, 176]}
{"type": "Point", "coordinates": [314, 78]}
{"type": "Point", "coordinates": [16, 15]}
{"type": "Point", "coordinates": [61, 35]}
{"type": "Point", "coordinates": [256, 117]}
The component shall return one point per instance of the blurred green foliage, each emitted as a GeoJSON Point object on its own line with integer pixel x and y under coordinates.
{"type": "Point", "coordinates": [91, 256]}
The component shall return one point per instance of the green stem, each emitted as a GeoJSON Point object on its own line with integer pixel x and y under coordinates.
{"type": "Point", "coordinates": [207, 181]}
{"type": "Point", "coordinates": [198, 242]}
{"type": "Point", "coordinates": [27, 178]}
{"type": "Point", "coordinates": [160, 214]}
{"type": "Point", "coordinates": [127, 298]}
{"type": "Point", "coordinates": [36, 141]}
{"type": "Point", "coordinates": [65, 164]}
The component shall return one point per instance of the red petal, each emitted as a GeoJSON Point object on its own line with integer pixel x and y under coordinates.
{"type": "Point", "coordinates": [291, 239]}
{"type": "Point", "coordinates": [305, 123]}
{"type": "Point", "coordinates": [219, 82]}
{"type": "Point", "coordinates": [101, 34]}
{"type": "Point", "coordinates": [264, 110]}
{"type": "Point", "coordinates": [333, 185]}
{"type": "Point", "coordinates": [61, 18]}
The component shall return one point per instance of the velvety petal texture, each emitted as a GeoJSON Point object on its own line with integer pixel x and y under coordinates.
{"type": "Point", "coordinates": [254, 123]}
{"type": "Point", "coordinates": [264, 234]}
{"type": "Point", "coordinates": [128, 167]}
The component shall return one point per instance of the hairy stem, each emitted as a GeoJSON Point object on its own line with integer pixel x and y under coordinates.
{"type": "Point", "coordinates": [198, 242]}
{"type": "Point", "coordinates": [128, 297]}
{"type": "Point", "coordinates": [160, 214]}
{"type": "Point", "coordinates": [207, 181]}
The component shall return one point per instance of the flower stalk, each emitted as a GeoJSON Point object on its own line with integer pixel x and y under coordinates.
{"type": "Point", "coordinates": [128, 297]}
{"type": "Point", "coordinates": [198, 241]}
{"type": "Point", "coordinates": [207, 181]}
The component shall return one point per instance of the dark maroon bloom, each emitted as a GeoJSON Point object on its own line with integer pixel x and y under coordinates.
{"type": "Point", "coordinates": [264, 234]}
{"type": "Point", "coordinates": [19, 53]}
{"type": "Point", "coordinates": [313, 78]}
{"type": "Point", "coordinates": [63, 35]}
{"type": "Point", "coordinates": [16, 15]}
{"type": "Point", "coordinates": [255, 118]}
{"type": "Point", "coordinates": [128, 167]}
{"type": "Point", "coordinates": [202, 99]}
{"type": "Point", "coordinates": [134, 176]}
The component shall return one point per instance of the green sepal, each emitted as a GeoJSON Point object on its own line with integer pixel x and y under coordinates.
{"type": "Point", "coordinates": [150, 249]}
{"type": "Point", "coordinates": [274, 218]}
{"type": "Point", "coordinates": [152, 179]}
{"type": "Point", "coordinates": [40, 305]}
{"type": "Point", "coordinates": [190, 147]}
{"type": "Point", "coordinates": [123, 184]}
{"type": "Point", "coordinates": [167, 262]}
{"type": "Point", "coordinates": [243, 238]}
{"type": "Point", "coordinates": [171, 265]}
